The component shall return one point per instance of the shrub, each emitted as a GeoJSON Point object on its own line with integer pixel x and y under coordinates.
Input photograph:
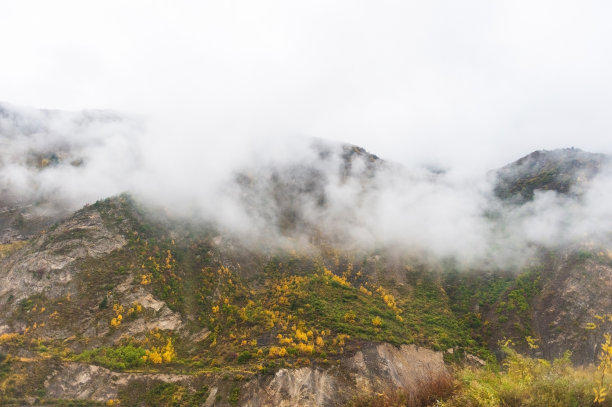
{"type": "Point", "coordinates": [525, 382]}
{"type": "Point", "coordinates": [244, 357]}
{"type": "Point", "coordinates": [234, 395]}
{"type": "Point", "coordinates": [123, 357]}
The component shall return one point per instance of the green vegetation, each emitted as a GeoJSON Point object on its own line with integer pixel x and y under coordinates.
{"type": "Point", "coordinates": [162, 394]}
{"type": "Point", "coordinates": [518, 297]}
{"type": "Point", "coordinates": [290, 310]}
{"type": "Point", "coordinates": [558, 170]}
{"type": "Point", "coordinates": [522, 381]}
{"type": "Point", "coordinates": [494, 306]}
{"type": "Point", "coordinates": [246, 314]}
{"type": "Point", "coordinates": [119, 358]}
{"type": "Point", "coordinates": [527, 382]}
{"type": "Point", "coordinates": [234, 395]}
{"type": "Point", "coordinates": [5, 365]}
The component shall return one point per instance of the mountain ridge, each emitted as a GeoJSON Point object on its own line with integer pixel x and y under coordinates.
{"type": "Point", "coordinates": [142, 304]}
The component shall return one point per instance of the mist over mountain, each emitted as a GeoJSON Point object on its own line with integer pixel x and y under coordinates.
{"type": "Point", "coordinates": [153, 270]}
{"type": "Point", "coordinates": [280, 191]}
{"type": "Point", "coordinates": [305, 204]}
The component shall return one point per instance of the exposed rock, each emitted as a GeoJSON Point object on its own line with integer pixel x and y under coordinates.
{"type": "Point", "coordinates": [383, 367]}
{"type": "Point", "coordinates": [59, 262]}
{"type": "Point", "coordinates": [200, 336]}
{"type": "Point", "coordinates": [573, 293]}
{"type": "Point", "coordinates": [306, 387]}
{"type": "Point", "coordinates": [46, 265]}
{"type": "Point", "coordinates": [474, 360]}
{"type": "Point", "coordinates": [210, 400]}
{"type": "Point", "coordinates": [89, 382]}
{"type": "Point", "coordinates": [375, 368]}
{"type": "Point", "coordinates": [165, 318]}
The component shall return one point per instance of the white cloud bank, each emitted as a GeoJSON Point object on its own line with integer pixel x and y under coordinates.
{"type": "Point", "coordinates": [471, 84]}
{"type": "Point", "coordinates": [217, 86]}
{"type": "Point", "coordinates": [268, 190]}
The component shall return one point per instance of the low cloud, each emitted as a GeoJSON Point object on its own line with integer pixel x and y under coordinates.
{"type": "Point", "coordinates": [280, 191]}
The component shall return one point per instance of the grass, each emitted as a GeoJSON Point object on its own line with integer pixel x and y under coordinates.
{"type": "Point", "coordinates": [158, 393]}
{"type": "Point", "coordinates": [522, 382]}
{"type": "Point", "coordinates": [8, 248]}
{"type": "Point", "coordinates": [526, 382]}
{"type": "Point", "coordinates": [118, 358]}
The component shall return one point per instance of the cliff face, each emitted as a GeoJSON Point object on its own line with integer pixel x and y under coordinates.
{"type": "Point", "coordinates": [376, 368]}
{"type": "Point", "coordinates": [576, 292]}
{"type": "Point", "coordinates": [563, 303]}
{"type": "Point", "coordinates": [47, 263]}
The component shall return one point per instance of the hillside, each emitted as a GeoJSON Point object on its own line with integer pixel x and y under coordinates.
{"type": "Point", "coordinates": [146, 308]}
{"type": "Point", "coordinates": [108, 287]}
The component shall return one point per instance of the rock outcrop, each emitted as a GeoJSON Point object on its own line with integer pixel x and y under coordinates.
{"type": "Point", "coordinates": [45, 265]}
{"type": "Point", "coordinates": [376, 368]}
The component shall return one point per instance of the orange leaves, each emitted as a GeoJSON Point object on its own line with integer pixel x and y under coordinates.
{"type": "Point", "coordinates": [118, 309]}
{"type": "Point", "coordinates": [136, 308]}
{"type": "Point", "coordinates": [305, 348]}
{"type": "Point", "coordinates": [340, 280]}
{"type": "Point", "coordinates": [301, 336]}
{"type": "Point", "coordinates": [8, 337]}
{"type": "Point", "coordinates": [604, 367]}
{"type": "Point", "coordinates": [161, 354]}
{"type": "Point", "coordinates": [277, 352]}
{"type": "Point", "coordinates": [169, 260]}
{"type": "Point", "coordinates": [389, 301]}
{"type": "Point", "coordinates": [145, 279]}
{"type": "Point", "coordinates": [115, 322]}
{"type": "Point", "coordinates": [350, 316]}
{"type": "Point", "coordinates": [365, 290]}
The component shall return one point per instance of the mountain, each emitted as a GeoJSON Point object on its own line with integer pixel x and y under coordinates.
{"type": "Point", "coordinates": [125, 302]}
{"type": "Point", "coordinates": [564, 171]}
{"type": "Point", "coordinates": [110, 285]}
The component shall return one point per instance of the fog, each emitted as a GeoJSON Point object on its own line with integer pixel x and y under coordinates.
{"type": "Point", "coordinates": [183, 97]}
{"type": "Point", "coordinates": [474, 84]}
{"type": "Point", "coordinates": [282, 192]}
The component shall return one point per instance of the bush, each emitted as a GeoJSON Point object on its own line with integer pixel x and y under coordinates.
{"type": "Point", "coordinates": [123, 357]}
{"type": "Point", "coordinates": [244, 357]}
{"type": "Point", "coordinates": [234, 395]}
{"type": "Point", "coordinates": [526, 382]}
{"type": "Point", "coordinates": [5, 367]}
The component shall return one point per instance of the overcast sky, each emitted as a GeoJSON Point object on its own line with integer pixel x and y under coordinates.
{"type": "Point", "coordinates": [470, 83]}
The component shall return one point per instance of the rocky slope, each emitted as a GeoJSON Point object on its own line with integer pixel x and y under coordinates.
{"type": "Point", "coordinates": [121, 302]}
{"type": "Point", "coordinates": [84, 304]}
{"type": "Point", "coordinates": [373, 369]}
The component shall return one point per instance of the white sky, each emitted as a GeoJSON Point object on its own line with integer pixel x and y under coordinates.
{"type": "Point", "coordinates": [470, 83]}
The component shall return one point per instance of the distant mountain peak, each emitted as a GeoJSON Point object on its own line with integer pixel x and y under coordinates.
{"type": "Point", "coordinates": [560, 170]}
